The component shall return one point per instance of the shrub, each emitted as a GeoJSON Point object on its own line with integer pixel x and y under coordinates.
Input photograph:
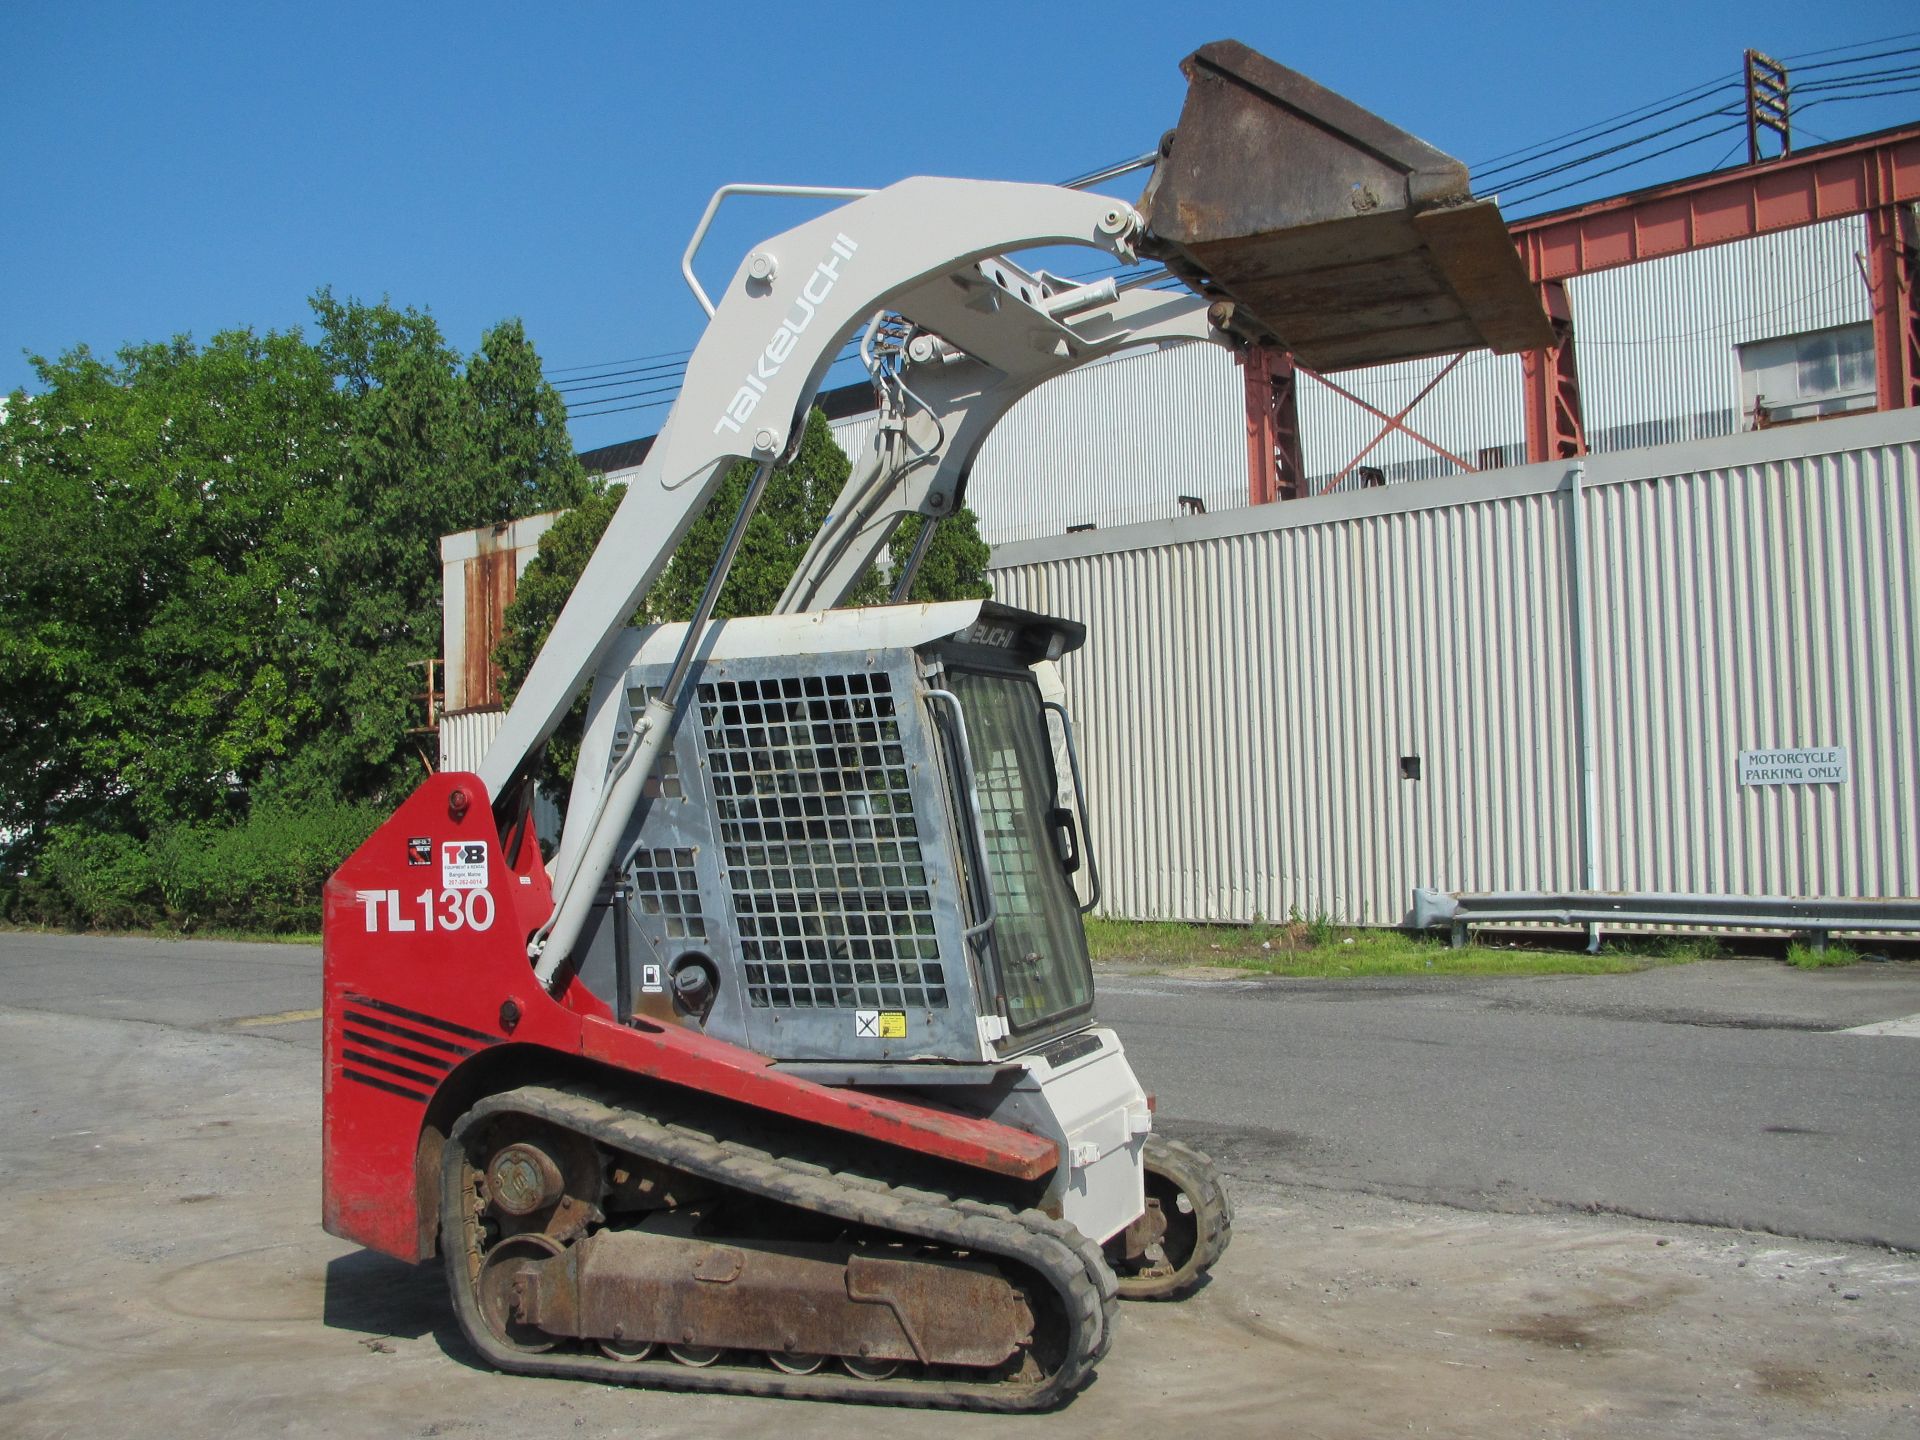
{"type": "Point", "coordinates": [265, 874]}
{"type": "Point", "coordinates": [97, 877]}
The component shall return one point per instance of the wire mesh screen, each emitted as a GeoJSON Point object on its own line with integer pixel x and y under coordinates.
{"type": "Point", "coordinates": [667, 887]}
{"type": "Point", "coordinates": [815, 816]}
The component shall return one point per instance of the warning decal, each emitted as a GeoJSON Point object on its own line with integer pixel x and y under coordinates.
{"type": "Point", "coordinates": [463, 864]}
{"type": "Point", "coordinates": [893, 1024]}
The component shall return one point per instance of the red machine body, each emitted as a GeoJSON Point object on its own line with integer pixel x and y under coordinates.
{"type": "Point", "coordinates": [429, 995]}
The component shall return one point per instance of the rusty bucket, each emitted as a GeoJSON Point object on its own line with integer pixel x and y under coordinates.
{"type": "Point", "coordinates": [1334, 234]}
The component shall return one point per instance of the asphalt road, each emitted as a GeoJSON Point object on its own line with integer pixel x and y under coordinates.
{"type": "Point", "coordinates": [1722, 1093]}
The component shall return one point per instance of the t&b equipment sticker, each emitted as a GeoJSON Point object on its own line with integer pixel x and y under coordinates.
{"type": "Point", "coordinates": [463, 864]}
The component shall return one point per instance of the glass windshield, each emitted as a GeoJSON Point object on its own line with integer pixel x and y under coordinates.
{"type": "Point", "coordinates": [1040, 949]}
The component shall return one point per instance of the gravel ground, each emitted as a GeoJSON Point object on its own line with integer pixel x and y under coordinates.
{"type": "Point", "coordinates": [163, 1272]}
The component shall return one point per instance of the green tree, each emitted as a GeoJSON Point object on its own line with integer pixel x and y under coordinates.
{"type": "Point", "coordinates": [955, 565]}
{"type": "Point", "coordinates": [219, 562]}
{"type": "Point", "coordinates": [149, 515]}
{"type": "Point", "coordinates": [429, 451]}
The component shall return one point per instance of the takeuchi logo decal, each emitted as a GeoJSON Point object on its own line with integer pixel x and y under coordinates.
{"type": "Point", "coordinates": [780, 348]}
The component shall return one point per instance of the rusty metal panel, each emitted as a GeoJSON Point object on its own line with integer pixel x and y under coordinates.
{"type": "Point", "coordinates": [1254, 683]}
{"type": "Point", "coordinates": [490, 583]}
{"type": "Point", "coordinates": [479, 571]}
{"type": "Point", "coordinates": [1342, 237]}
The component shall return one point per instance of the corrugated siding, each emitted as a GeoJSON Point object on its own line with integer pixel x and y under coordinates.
{"type": "Point", "coordinates": [1477, 408]}
{"type": "Point", "coordinates": [464, 737]}
{"type": "Point", "coordinates": [1243, 746]}
{"type": "Point", "coordinates": [463, 741]}
{"type": "Point", "coordinates": [1761, 607]}
{"type": "Point", "coordinates": [1655, 342]}
{"type": "Point", "coordinates": [1107, 445]}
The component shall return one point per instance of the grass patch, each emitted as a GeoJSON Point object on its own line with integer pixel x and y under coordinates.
{"type": "Point", "coordinates": [1326, 950]}
{"type": "Point", "coordinates": [1668, 949]}
{"type": "Point", "coordinates": [1803, 956]}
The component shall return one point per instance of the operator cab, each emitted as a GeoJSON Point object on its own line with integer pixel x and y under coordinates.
{"type": "Point", "coordinates": [858, 846]}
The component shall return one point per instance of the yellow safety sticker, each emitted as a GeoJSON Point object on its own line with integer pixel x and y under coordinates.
{"type": "Point", "coordinates": [893, 1024]}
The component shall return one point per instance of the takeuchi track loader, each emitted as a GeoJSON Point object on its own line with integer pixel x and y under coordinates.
{"type": "Point", "coordinates": [784, 1077]}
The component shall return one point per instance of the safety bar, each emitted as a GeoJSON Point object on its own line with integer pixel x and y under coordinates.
{"type": "Point", "coordinates": [804, 192]}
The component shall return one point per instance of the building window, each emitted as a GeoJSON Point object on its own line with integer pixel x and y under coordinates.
{"type": "Point", "coordinates": [1806, 376]}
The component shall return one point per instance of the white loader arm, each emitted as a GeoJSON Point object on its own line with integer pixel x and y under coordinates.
{"type": "Point", "coordinates": [957, 384]}
{"type": "Point", "coordinates": [777, 328]}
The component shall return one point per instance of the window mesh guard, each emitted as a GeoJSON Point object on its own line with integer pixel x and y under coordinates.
{"type": "Point", "coordinates": [815, 817]}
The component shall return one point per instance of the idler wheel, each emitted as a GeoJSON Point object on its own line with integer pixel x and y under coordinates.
{"type": "Point", "coordinates": [503, 1278]}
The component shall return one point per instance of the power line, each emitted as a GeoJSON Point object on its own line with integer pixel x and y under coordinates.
{"type": "Point", "coordinates": [1580, 161]}
{"type": "Point", "coordinates": [607, 378]}
{"type": "Point", "coordinates": [1484, 172]}
{"type": "Point", "coordinates": [1628, 165]}
{"type": "Point", "coordinates": [1856, 45]}
{"type": "Point", "coordinates": [1866, 95]}
{"type": "Point", "coordinates": [1692, 92]}
{"type": "Point", "coordinates": [1855, 60]}
{"type": "Point", "coordinates": [630, 360]}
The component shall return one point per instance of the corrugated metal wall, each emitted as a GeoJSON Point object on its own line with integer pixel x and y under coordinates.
{"type": "Point", "coordinates": [1244, 747]}
{"type": "Point", "coordinates": [1656, 342]}
{"type": "Point", "coordinates": [1477, 408]}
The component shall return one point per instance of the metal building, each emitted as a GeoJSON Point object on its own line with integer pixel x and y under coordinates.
{"type": "Point", "coordinates": [1768, 294]}
{"type": "Point", "coordinates": [1685, 347]}
{"type": "Point", "coordinates": [1313, 708]}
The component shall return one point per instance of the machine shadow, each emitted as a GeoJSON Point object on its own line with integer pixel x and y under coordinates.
{"type": "Point", "coordinates": [377, 1296]}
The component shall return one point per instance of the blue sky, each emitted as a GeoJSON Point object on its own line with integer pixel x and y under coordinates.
{"type": "Point", "coordinates": [187, 169]}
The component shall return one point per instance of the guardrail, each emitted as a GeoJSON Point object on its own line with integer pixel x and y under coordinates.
{"type": "Point", "coordinates": [1815, 918]}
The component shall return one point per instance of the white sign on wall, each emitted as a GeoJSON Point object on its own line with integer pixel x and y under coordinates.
{"type": "Point", "coordinates": [1795, 767]}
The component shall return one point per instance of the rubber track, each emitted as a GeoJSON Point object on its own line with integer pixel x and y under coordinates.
{"type": "Point", "coordinates": [1051, 1248]}
{"type": "Point", "coordinates": [1210, 1201]}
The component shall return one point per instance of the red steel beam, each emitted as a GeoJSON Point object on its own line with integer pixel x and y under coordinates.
{"type": "Point", "coordinates": [1893, 275]}
{"type": "Point", "coordinates": [1393, 422]}
{"type": "Point", "coordinates": [1275, 467]}
{"type": "Point", "coordinates": [1850, 177]}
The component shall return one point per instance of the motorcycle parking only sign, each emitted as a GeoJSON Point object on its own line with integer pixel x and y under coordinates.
{"type": "Point", "coordinates": [1795, 767]}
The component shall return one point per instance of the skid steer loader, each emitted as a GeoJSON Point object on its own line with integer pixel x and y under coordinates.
{"type": "Point", "coordinates": [785, 1077]}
